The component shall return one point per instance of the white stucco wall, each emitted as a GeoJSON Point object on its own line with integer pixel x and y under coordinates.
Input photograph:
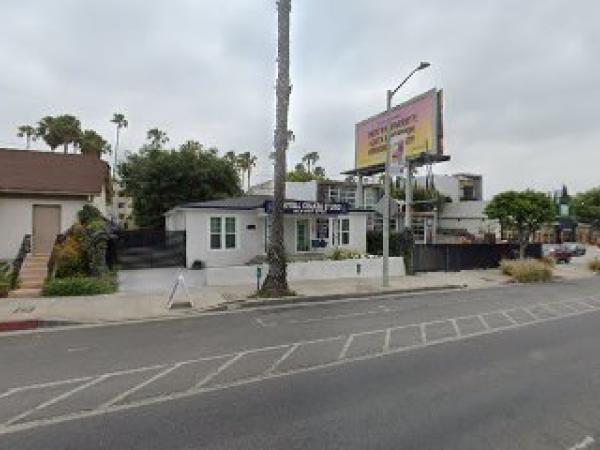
{"type": "Point", "coordinates": [16, 219]}
{"type": "Point", "coordinates": [249, 242]}
{"type": "Point", "coordinates": [303, 271]}
{"type": "Point", "coordinates": [467, 215]}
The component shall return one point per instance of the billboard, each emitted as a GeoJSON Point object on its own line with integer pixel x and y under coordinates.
{"type": "Point", "coordinates": [419, 120]}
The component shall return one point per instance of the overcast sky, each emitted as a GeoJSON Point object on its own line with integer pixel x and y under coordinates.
{"type": "Point", "coordinates": [521, 79]}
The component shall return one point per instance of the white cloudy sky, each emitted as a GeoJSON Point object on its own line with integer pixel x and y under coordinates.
{"type": "Point", "coordinates": [522, 79]}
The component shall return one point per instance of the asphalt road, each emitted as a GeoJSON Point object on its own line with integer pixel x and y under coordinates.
{"type": "Point", "coordinates": [516, 367]}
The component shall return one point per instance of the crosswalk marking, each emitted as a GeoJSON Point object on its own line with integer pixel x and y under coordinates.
{"type": "Point", "coordinates": [22, 420]}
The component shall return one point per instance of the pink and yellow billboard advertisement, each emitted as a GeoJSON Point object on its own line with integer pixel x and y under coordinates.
{"type": "Point", "coordinates": [419, 120]}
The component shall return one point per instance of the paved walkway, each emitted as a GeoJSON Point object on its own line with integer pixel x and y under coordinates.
{"type": "Point", "coordinates": [144, 293]}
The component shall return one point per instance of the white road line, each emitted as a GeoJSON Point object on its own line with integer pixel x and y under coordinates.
{"type": "Point", "coordinates": [455, 326]}
{"type": "Point", "coordinates": [423, 334]}
{"type": "Point", "coordinates": [283, 357]}
{"type": "Point", "coordinates": [585, 443]}
{"type": "Point", "coordinates": [484, 322]}
{"type": "Point", "coordinates": [510, 319]}
{"type": "Point", "coordinates": [264, 324]}
{"type": "Point", "coordinates": [55, 400]}
{"type": "Point", "coordinates": [224, 366]}
{"type": "Point", "coordinates": [346, 346]}
{"type": "Point", "coordinates": [386, 341]}
{"type": "Point", "coordinates": [195, 391]}
{"type": "Point", "coordinates": [122, 395]}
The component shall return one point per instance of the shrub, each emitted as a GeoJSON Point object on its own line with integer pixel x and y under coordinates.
{"type": "Point", "coordinates": [73, 286]}
{"type": "Point", "coordinates": [341, 254]}
{"type": "Point", "coordinates": [594, 265]}
{"type": "Point", "coordinates": [5, 279]}
{"type": "Point", "coordinates": [88, 214]}
{"type": "Point", "coordinates": [526, 270]}
{"type": "Point", "coordinates": [69, 258]}
{"type": "Point", "coordinates": [548, 260]}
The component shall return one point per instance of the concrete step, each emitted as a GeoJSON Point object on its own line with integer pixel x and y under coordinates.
{"type": "Point", "coordinates": [25, 278]}
{"type": "Point", "coordinates": [31, 284]}
{"type": "Point", "coordinates": [25, 293]}
{"type": "Point", "coordinates": [41, 271]}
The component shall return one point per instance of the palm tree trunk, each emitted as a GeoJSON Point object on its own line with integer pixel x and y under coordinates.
{"type": "Point", "coordinates": [275, 283]}
{"type": "Point", "coordinates": [66, 147]}
{"type": "Point", "coordinates": [249, 170]}
{"type": "Point", "coordinates": [28, 141]}
{"type": "Point", "coordinates": [116, 151]}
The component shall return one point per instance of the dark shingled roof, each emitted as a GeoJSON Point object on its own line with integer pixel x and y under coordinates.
{"type": "Point", "coordinates": [26, 171]}
{"type": "Point", "coordinates": [241, 203]}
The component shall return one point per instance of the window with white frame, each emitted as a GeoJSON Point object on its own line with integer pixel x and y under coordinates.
{"type": "Point", "coordinates": [223, 233]}
{"type": "Point", "coordinates": [345, 231]}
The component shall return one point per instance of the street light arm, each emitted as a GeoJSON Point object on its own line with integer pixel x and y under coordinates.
{"type": "Point", "coordinates": [393, 92]}
{"type": "Point", "coordinates": [421, 66]}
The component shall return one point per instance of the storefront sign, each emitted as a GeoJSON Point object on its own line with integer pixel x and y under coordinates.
{"type": "Point", "coordinates": [299, 207]}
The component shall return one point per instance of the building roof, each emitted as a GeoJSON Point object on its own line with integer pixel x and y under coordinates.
{"type": "Point", "coordinates": [26, 171]}
{"type": "Point", "coordinates": [244, 203]}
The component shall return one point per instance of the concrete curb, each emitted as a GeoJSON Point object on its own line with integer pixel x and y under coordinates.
{"type": "Point", "coordinates": [252, 303]}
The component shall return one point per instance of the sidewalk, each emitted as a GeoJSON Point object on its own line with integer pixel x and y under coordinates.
{"type": "Point", "coordinates": [133, 303]}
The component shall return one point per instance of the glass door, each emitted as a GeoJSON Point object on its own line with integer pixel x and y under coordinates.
{"type": "Point", "coordinates": [302, 236]}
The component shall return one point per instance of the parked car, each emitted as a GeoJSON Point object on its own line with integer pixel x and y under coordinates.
{"type": "Point", "coordinates": [576, 248]}
{"type": "Point", "coordinates": [561, 254]}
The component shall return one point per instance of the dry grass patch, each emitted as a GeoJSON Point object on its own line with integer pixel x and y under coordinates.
{"type": "Point", "coordinates": [527, 270]}
{"type": "Point", "coordinates": [594, 265]}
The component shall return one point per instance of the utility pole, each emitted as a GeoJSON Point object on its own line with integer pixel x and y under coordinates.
{"type": "Point", "coordinates": [385, 276]}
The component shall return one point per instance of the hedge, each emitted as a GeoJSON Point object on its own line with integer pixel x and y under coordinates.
{"type": "Point", "coordinates": [401, 244]}
{"type": "Point", "coordinates": [74, 286]}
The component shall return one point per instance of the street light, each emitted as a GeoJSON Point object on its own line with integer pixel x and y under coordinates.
{"type": "Point", "coordinates": [386, 182]}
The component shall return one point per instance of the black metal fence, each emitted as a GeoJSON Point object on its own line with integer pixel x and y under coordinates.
{"type": "Point", "coordinates": [456, 257]}
{"type": "Point", "coordinates": [138, 249]}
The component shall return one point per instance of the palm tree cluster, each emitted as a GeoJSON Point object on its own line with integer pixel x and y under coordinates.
{"type": "Point", "coordinates": [243, 164]}
{"type": "Point", "coordinates": [64, 130]}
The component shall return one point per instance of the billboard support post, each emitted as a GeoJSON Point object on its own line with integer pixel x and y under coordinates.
{"type": "Point", "coordinates": [385, 276]}
{"type": "Point", "coordinates": [386, 208]}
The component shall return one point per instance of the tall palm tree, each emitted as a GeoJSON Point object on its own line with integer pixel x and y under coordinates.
{"type": "Point", "coordinates": [310, 158]}
{"type": "Point", "coordinates": [246, 162]}
{"type": "Point", "coordinates": [121, 122]}
{"type": "Point", "coordinates": [157, 138]}
{"type": "Point", "coordinates": [275, 283]}
{"type": "Point", "coordinates": [29, 133]}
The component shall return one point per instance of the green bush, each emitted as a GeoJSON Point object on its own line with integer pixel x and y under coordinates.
{"type": "Point", "coordinates": [69, 258]}
{"type": "Point", "coordinates": [73, 286]}
{"type": "Point", "coordinates": [88, 214]}
{"type": "Point", "coordinates": [526, 270]}
{"type": "Point", "coordinates": [594, 265]}
{"type": "Point", "coordinates": [341, 254]}
{"type": "Point", "coordinates": [5, 279]}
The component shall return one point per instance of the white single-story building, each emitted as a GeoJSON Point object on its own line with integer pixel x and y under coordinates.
{"type": "Point", "coordinates": [236, 231]}
{"type": "Point", "coordinates": [41, 193]}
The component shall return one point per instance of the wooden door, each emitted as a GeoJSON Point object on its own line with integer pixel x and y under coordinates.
{"type": "Point", "coordinates": [46, 226]}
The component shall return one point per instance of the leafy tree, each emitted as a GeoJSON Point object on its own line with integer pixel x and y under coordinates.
{"type": "Point", "coordinates": [275, 283]}
{"type": "Point", "coordinates": [310, 158]}
{"type": "Point", "coordinates": [586, 206]}
{"type": "Point", "coordinates": [156, 138]}
{"type": "Point", "coordinates": [423, 199]}
{"type": "Point", "coordinates": [525, 212]}
{"type": "Point", "coordinates": [29, 133]}
{"type": "Point", "coordinates": [60, 130]}
{"type": "Point", "coordinates": [300, 174]}
{"type": "Point", "coordinates": [246, 162]}
{"type": "Point", "coordinates": [158, 180]}
{"type": "Point", "coordinates": [91, 143]}
{"type": "Point", "coordinates": [121, 122]}
{"type": "Point", "coordinates": [319, 172]}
